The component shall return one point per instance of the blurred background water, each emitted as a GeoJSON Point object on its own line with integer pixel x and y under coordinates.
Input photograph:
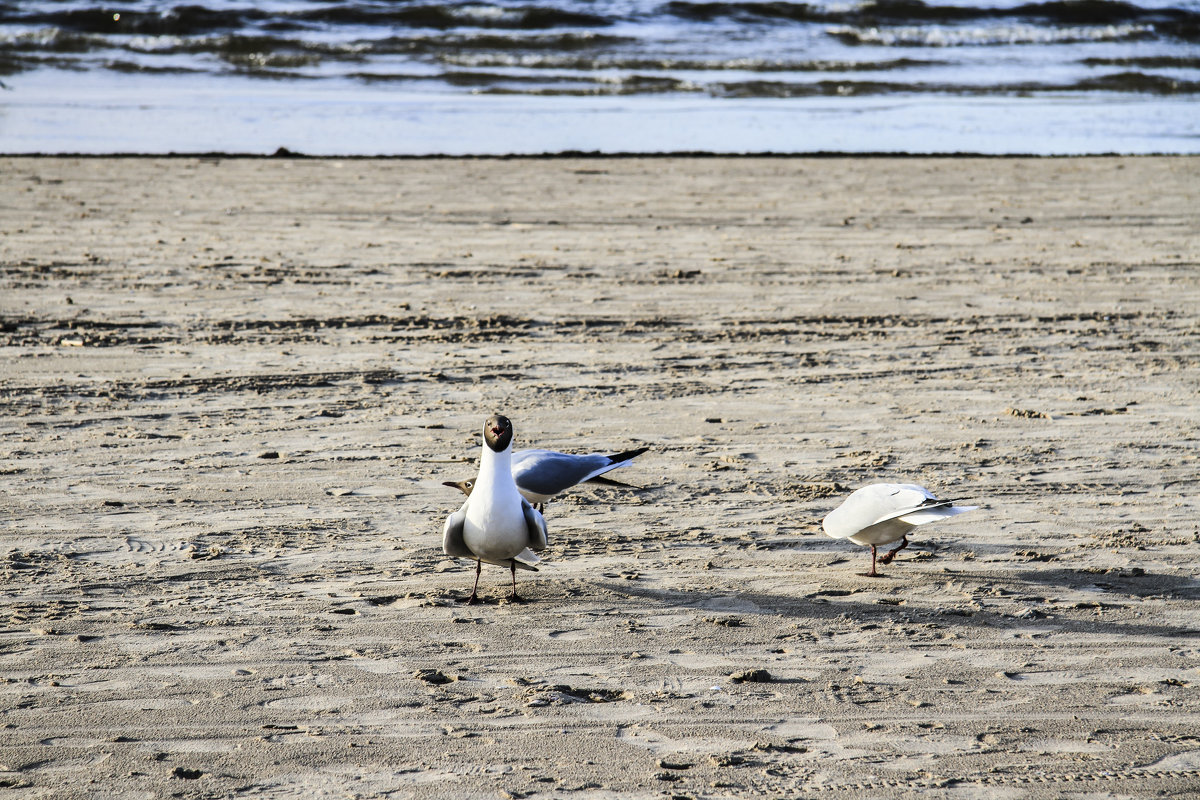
{"type": "Point", "coordinates": [392, 77]}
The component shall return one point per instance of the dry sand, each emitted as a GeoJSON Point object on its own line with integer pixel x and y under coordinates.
{"type": "Point", "coordinates": [232, 388]}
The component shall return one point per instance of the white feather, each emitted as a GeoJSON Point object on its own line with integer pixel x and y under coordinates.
{"type": "Point", "coordinates": [885, 512]}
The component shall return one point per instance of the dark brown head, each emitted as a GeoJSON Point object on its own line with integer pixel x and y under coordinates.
{"type": "Point", "coordinates": [497, 433]}
{"type": "Point", "coordinates": [463, 486]}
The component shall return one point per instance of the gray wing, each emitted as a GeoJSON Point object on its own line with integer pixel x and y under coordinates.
{"type": "Point", "coordinates": [548, 472]}
{"type": "Point", "coordinates": [452, 534]}
{"type": "Point", "coordinates": [535, 523]}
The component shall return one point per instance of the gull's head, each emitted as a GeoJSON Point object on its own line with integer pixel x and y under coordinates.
{"type": "Point", "coordinates": [497, 433]}
{"type": "Point", "coordinates": [463, 486]}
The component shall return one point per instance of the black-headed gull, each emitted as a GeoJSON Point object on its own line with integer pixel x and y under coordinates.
{"type": "Point", "coordinates": [885, 512]}
{"type": "Point", "coordinates": [496, 524]}
{"type": "Point", "coordinates": [541, 475]}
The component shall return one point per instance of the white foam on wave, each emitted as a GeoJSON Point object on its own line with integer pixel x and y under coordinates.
{"type": "Point", "coordinates": [923, 36]}
{"type": "Point", "coordinates": [23, 37]}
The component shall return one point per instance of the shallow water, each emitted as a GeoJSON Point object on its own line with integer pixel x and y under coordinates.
{"type": "Point", "coordinates": [611, 75]}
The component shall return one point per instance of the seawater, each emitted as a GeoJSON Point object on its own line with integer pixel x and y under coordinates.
{"type": "Point", "coordinates": [417, 78]}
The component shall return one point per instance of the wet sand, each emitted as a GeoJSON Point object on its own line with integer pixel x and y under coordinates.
{"type": "Point", "coordinates": [232, 388]}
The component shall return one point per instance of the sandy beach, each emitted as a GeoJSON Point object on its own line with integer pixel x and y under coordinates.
{"type": "Point", "coordinates": [232, 388]}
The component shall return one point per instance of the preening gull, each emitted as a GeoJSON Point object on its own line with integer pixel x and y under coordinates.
{"type": "Point", "coordinates": [883, 513]}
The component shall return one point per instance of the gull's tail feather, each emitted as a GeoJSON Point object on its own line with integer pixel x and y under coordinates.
{"type": "Point", "coordinates": [527, 559]}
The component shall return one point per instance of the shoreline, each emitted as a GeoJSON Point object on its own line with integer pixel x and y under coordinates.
{"type": "Point", "coordinates": [284, 152]}
{"type": "Point", "coordinates": [233, 386]}
{"type": "Point", "coordinates": [139, 113]}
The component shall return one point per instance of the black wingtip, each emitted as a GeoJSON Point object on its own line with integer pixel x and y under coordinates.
{"type": "Point", "coordinates": [939, 503]}
{"type": "Point", "coordinates": [607, 481]}
{"type": "Point", "coordinates": [617, 458]}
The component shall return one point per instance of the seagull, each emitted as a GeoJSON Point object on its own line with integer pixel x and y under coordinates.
{"type": "Point", "coordinates": [543, 474]}
{"type": "Point", "coordinates": [496, 524]}
{"type": "Point", "coordinates": [885, 512]}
